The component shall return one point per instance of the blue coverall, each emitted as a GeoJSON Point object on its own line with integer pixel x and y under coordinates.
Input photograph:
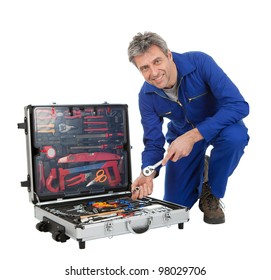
{"type": "Point", "coordinates": [209, 101]}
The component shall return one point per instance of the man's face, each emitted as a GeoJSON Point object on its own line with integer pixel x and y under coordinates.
{"type": "Point", "coordinates": [157, 68]}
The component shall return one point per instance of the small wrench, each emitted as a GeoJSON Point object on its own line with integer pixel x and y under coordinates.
{"type": "Point", "coordinates": [147, 171]}
{"type": "Point", "coordinates": [65, 128]}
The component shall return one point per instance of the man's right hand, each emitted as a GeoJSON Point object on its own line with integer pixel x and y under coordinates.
{"type": "Point", "coordinates": [142, 186]}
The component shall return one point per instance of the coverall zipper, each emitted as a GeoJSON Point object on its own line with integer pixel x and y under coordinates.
{"type": "Point", "coordinates": [181, 105]}
{"type": "Point", "coordinates": [187, 120]}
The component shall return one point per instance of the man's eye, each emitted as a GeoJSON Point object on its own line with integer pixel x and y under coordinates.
{"type": "Point", "coordinates": [157, 61]}
{"type": "Point", "coordinates": [144, 68]}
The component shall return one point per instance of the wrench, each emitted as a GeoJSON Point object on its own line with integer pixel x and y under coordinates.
{"type": "Point", "coordinates": [147, 171]}
{"type": "Point", "coordinates": [64, 127]}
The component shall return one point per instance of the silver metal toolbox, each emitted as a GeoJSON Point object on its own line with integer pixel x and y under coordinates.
{"type": "Point", "coordinates": [79, 174]}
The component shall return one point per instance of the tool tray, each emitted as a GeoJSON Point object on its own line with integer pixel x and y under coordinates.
{"type": "Point", "coordinates": [79, 174]}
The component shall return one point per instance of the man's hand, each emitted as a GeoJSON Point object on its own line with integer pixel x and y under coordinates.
{"type": "Point", "coordinates": [142, 186]}
{"type": "Point", "coordinates": [182, 146]}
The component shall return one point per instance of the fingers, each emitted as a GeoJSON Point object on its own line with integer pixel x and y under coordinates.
{"type": "Point", "coordinates": [135, 193]}
{"type": "Point", "coordinates": [141, 187]}
{"type": "Point", "coordinates": [167, 157]}
{"type": "Point", "coordinates": [140, 192]}
{"type": "Point", "coordinates": [176, 151]}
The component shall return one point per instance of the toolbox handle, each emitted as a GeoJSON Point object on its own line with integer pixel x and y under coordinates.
{"type": "Point", "coordinates": [139, 230]}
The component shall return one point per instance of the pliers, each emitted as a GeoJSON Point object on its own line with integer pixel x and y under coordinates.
{"type": "Point", "coordinates": [78, 179]}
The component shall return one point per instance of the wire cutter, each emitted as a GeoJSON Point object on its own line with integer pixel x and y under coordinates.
{"type": "Point", "coordinates": [78, 179]}
{"type": "Point", "coordinates": [147, 171]}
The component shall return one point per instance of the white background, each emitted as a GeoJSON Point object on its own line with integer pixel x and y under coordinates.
{"type": "Point", "coordinates": [72, 52]}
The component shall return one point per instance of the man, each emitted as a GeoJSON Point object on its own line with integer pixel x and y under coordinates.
{"type": "Point", "coordinates": [204, 108]}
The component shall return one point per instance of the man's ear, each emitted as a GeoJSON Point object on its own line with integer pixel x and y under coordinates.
{"type": "Point", "coordinates": [169, 55]}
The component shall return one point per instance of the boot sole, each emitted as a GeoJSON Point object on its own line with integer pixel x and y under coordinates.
{"type": "Point", "coordinates": [214, 221]}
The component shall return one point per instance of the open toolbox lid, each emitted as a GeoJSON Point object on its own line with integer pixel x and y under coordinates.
{"type": "Point", "coordinates": [77, 150]}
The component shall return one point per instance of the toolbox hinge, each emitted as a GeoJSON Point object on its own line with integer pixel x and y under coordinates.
{"type": "Point", "coordinates": [23, 125]}
{"type": "Point", "coordinates": [26, 183]}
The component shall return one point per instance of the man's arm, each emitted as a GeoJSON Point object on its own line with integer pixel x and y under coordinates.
{"type": "Point", "coordinates": [232, 106]}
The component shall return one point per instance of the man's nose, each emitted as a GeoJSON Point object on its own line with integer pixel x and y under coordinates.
{"type": "Point", "coordinates": [154, 71]}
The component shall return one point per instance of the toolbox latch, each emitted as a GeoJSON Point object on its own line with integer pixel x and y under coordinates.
{"type": "Point", "coordinates": [109, 229]}
{"type": "Point", "coordinates": [167, 217]}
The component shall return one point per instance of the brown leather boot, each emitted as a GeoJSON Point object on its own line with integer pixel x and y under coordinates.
{"type": "Point", "coordinates": [211, 206]}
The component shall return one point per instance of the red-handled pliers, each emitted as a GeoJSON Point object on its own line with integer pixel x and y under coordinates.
{"type": "Point", "coordinates": [78, 179]}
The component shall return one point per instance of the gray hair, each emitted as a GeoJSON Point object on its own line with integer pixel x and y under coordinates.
{"type": "Point", "coordinates": [142, 42]}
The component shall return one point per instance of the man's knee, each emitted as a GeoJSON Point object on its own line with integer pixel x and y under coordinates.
{"type": "Point", "coordinates": [235, 136]}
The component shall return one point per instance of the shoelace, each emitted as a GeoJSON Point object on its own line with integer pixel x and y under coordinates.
{"type": "Point", "coordinates": [212, 202]}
